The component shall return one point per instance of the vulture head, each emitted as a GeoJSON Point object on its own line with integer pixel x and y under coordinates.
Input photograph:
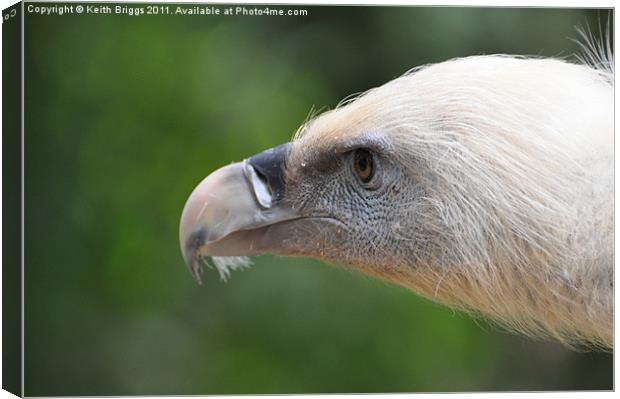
{"type": "Point", "coordinates": [484, 183]}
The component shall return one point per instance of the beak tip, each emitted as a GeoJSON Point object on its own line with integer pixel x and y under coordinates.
{"type": "Point", "coordinates": [196, 270]}
{"type": "Point", "coordinates": [190, 251]}
{"type": "Point", "coordinates": [194, 265]}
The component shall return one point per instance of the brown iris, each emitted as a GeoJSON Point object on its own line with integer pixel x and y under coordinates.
{"type": "Point", "coordinates": [363, 164]}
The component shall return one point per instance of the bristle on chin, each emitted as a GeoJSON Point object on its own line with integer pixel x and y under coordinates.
{"type": "Point", "coordinates": [225, 264]}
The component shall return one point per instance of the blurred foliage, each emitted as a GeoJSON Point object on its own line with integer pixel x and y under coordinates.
{"type": "Point", "coordinates": [125, 115]}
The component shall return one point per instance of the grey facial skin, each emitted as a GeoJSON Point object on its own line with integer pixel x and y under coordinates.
{"type": "Point", "coordinates": [276, 203]}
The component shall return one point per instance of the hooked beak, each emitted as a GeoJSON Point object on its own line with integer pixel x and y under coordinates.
{"type": "Point", "coordinates": [238, 210]}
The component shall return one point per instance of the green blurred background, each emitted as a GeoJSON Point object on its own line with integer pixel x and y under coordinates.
{"type": "Point", "coordinates": [125, 115]}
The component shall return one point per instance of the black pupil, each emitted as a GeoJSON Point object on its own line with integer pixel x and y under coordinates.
{"type": "Point", "coordinates": [363, 165]}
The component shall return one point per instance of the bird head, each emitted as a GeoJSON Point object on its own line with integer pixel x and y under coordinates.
{"type": "Point", "coordinates": [483, 183]}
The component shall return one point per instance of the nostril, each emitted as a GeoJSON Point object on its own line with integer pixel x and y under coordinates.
{"type": "Point", "coordinates": [262, 178]}
{"type": "Point", "coordinates": [268, 168]}
{"type": "Point", "coordinates": [260, 186]}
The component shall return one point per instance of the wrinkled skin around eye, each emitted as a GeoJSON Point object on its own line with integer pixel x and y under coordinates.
{"type": "Point", "coordinates": [369, 221]}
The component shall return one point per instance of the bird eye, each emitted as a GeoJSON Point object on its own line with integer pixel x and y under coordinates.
{"type": "Point", "coordinates": [363, 165]}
